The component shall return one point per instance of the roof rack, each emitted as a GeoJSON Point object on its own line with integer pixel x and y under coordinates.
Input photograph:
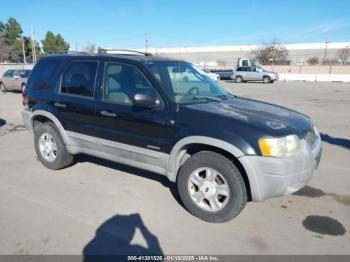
{"type": "Point", "coordinates": [122, 51]}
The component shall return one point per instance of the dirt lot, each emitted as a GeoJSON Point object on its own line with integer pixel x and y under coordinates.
{"type": "Point", "coordinates": [125, 210]}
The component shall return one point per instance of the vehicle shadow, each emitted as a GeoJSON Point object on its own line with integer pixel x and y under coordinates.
{"type": "Point", "coordinates": [114, 237]}
{"type": "Point", "coordinates": [336, 141]}
{"type": "Point", "coordinates": [2, 122]}
{"type": "Point", "coordinates": [81, 158]}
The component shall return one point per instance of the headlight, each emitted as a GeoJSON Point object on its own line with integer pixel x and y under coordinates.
{"type": "Point", "coordinates": [278, 147]}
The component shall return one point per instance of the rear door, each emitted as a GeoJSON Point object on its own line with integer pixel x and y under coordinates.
{"type": "Point", "coordinates": [75, 98]}
{"type": "Point", "coordinates": [16, 82]}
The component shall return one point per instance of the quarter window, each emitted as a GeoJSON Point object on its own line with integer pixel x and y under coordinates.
{"type": "Point", "coordinates": [79, 79]}
{"type": "Point", "coordinates": [122, 82]}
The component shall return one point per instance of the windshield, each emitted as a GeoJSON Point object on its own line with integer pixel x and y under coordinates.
{"type": "Point", "coordinates": [260, 69]}
{"type": "Point", "coordinates": [24, 73]}
{"type": "Point", "coordinates": [184, 82]}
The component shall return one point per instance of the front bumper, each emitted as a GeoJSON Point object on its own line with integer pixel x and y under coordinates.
{"type": "Point", "coordinates": [274, 77]}
{"type": "Point", "coordinates": [272, 176]}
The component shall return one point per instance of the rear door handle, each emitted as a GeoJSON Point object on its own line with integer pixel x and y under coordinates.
{"type": "Point", "coordinates": [106, 113]}
{"type": "Point", "coordinates": [57, 104]}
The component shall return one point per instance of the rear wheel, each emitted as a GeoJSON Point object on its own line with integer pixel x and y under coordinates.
{"type": "Point", "coordinates": [211, 187]}
{"type": "Point", "coordinates": [3, 88]}
{"type": "Point", "coordinates": [266, 80]}
{"type": "Point", "coordinates": [50, 147]}
{"type": "Point", "coordinates": [239, 79]}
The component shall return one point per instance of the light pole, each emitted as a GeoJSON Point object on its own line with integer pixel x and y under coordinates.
{"type": "Point", "coordinates": [325, 52]}
{"type": "Point", "coordinates": [146, 42]}
{"type": "Point", "coordinates": [24, 54]}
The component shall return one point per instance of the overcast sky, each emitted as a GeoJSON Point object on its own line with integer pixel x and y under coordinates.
{"type": "Point", "coordinates": [123, 24]}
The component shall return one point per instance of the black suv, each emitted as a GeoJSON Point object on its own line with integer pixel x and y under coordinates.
{"type": "Point", "coordinates": [165, 116]}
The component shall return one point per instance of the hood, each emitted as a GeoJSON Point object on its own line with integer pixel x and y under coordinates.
{"type": "Point", "coordinates": [272, 119]}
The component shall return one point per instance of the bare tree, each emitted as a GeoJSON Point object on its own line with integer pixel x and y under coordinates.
{"type": "Point", "coordinates": [272, 51]}
{"type": "Point", "coordinates": [343, 55]}
{"type": "Point", "coordinates": [313, 60]}
{"type": "Point", "coordinates": [90, 48]}
{"type": "Point", "coordinates": [331, 61]}
{"type": "Point", "coordinates": [7, 52]}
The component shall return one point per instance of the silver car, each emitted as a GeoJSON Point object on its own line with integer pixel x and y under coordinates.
{"type": "Point", "coordinates": [251, 73]}
{"type": "Point", "coordinates": [15, 79]}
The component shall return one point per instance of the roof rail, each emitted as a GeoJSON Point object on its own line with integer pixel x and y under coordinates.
{"type": "Point", "coordinates": [122, 51]}
{"type": "Point", "coordinates": [66, 52]}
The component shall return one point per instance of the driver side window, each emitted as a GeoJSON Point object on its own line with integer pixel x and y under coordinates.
{"type": "Point", "coordinates": [121, 82]}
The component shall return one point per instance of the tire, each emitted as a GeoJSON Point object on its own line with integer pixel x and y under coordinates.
{"type": "Point", "coordinates": [3, 88]}
{"type": "Point", "coordinates": [239, 79]}
{"type": "Point", "coordinates": [266, 80]}
{"type": "Point", "coordinates": [226, 176]}
{"type": "Point", "coordinates": [60, 158]}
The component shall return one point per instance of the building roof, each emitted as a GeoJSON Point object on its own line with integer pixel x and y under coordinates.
{"type": "Point", "coordinates": [228, 48]}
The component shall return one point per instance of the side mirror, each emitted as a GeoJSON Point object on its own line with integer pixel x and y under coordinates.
{"type": "Point", "coordinates": [146, 100]}
{"type": "Point", "coordinates": [16, 77]}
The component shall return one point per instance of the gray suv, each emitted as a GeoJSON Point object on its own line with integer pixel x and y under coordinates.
{"type": "Point", "coordinates": [14, 80]}
{"type": "Point", "coordinates": [253, 73]}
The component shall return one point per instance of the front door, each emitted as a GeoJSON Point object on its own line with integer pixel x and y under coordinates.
{"type": "Point", "coordinates": [119, 120]}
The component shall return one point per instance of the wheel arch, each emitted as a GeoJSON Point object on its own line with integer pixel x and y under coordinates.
{"type": "Point", "coordinates": [41, 116]}
{"type": "Point", "coordinates": [191, 145]}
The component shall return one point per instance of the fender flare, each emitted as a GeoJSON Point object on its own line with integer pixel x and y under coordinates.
{"type": "Point", "coordinates": [53, 118]}
{"type": "Point", "coordinates": [178, 151]}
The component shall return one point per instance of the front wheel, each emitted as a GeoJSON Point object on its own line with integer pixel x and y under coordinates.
{"type": "Point", "coordinates": [211, 187]}
{"type": "Point", "coordinates": [267, 80]}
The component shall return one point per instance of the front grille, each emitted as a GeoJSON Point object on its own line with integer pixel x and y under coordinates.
{"type": "Point", "coordinates": [310, 136]}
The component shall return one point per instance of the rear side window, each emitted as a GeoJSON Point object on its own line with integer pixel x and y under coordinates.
{"type": "Point", "coordinates": [79, 79]}
{"type": "Point", "coordinates": [43, 72]}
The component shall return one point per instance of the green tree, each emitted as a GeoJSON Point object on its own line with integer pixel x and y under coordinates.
{"type": "Point", "coordinates": [27, 41]}
{"type": "Point", "coordinates": [61, 44]}
{"type": "Point", "coordinates": [2, 28]}
{"type": "Point", "coordinates": [13, 30]}
{"type": "Point", "coordinates": [9, 36]}
{"type": "Point", "coordinates": [54, 43]}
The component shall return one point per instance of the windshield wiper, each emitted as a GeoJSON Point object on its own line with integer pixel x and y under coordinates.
{"type": "Point", "coordinates": [226, 96]}
{"type": "Point", "coordinates": [217, 99]}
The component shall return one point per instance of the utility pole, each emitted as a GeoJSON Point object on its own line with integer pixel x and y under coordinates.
{"type": "Point", "coordinates": [33, 46]}
{"type": "Point", "coordinates": [325, 52]}
{"type": "Point", "coordinates": [24, 54]}
{"type": "Point", "coordinates": [146, 42]}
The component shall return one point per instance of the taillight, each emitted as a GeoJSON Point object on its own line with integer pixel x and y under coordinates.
{"type": "Point", "coordinates": [24, 99]}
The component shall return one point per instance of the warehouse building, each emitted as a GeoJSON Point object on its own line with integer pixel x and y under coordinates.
{"type": "Point", "coordinates": [226, 56]}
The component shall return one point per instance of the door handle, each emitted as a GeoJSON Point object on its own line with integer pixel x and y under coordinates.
{"type": "Point", "coordinates": [57, 104]}
{"type": "Point", "coordinates": [106, 113]}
